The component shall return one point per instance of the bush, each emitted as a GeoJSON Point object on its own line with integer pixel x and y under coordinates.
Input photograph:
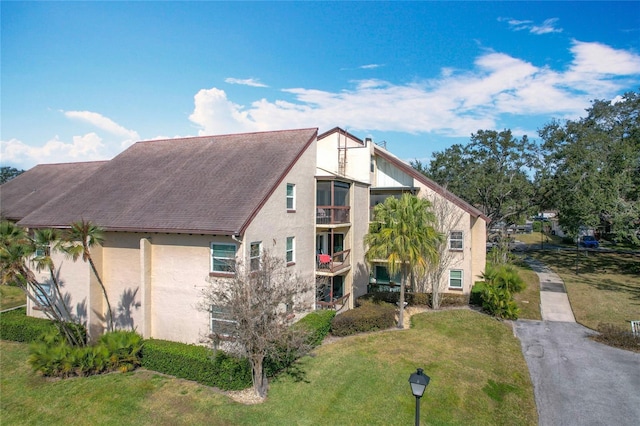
{"type": "Point", "coordinates": [448, 300]}
{"type": "Point", "coordinates": [197, 363]}
{"type": "Point", "coordinates": [124, 349]}
{"type": "Point", "coordinates": [617, 337]}
{"type": "Point", "coordinates": [498, 302]}
{"type": "Point", "coordinates": [414, 299]}
{"type": "Point", "coordinates": [476, 293]}
{"type": "Point", "coordinates": [18, 327]}
{"type": "Point", "coordinates": [317, 324]}
{"type": "Point", "coordinates": [52, 356]}
{"type": "Point", "coordinates": [370, 316]}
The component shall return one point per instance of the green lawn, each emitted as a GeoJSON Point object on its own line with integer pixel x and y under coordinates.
{"type": "Point", "coordinates": [11, 296]}
{"type": "Point", "coordinates": [528, 300]}
{"type": "Point", "coordinates": [478, 376]}
{"type": "Point", "coordinates": [606, 288]}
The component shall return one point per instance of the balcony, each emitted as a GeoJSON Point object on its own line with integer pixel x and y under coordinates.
{"type": "Point", "coordinates": [332, 263]}
{"type": "Point", "coordinates": [332, 215]}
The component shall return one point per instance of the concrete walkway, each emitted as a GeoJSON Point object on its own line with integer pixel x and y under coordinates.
{"type": "Point", "coordinates": [576, 381]}
{"type": "Point", "coordinates": [554, 302]}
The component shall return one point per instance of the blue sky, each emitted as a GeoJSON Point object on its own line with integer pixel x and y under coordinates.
{"type": "Point", "coordinates": [84, 80]}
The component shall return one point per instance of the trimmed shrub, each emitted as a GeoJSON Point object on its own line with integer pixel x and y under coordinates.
{"type": "Point", "coordinates": [418, 299]}
{"type": "Point", "coordinates": [197, 363]}
{"type": "Point", "coordinates": [317, 324]}
{"type": "Point", "coordinates": [369, 316]}
{"type": "Point", "coordinates": [18, 327]}
{"type": "Point", "coordinates": [448, 300]}
{"type": "Point", "coordinates": [476, 293]}
{"type": "Point", "coordinates": [414, 299]}
{"type": "Point", "coordinates": [379, 297]}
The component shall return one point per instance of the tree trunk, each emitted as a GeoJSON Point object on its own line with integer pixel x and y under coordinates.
{"type": "Point", "coordinates": [401, 303]}
{"type": "Point", "coordinates": [104, 291]}
{"type": "Point", "coordinates": [259, 377]}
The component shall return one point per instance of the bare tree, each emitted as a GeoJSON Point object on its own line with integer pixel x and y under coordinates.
{"type": "Point", "coordinates": [254, 311]}
{"type": "Point", "coordinates": [448, 219]}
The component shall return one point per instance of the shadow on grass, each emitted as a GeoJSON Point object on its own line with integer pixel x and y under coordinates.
{"type": "Point", "coordinates": [597, 269]}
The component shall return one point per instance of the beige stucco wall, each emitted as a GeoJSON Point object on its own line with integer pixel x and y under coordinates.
{"type": "Point", "coordinates": [359, 228]}
{"type": "Point", "coordinates": [180, 272]}
{"type": "Point", "coordinates": [74, 278]}
{"type": "Point", "coordinates": [273, 223]}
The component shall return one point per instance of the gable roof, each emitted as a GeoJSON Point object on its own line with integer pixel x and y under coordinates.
{"type": "Point", "coordinates": [473, 211]}
{"type": "Point", "coordinates": [208, 185]}
{"type": "Point", "coordinates": [40, 184]}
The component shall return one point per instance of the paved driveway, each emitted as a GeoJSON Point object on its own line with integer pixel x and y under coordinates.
{"type": "Point", "coordinates": [578, 381]}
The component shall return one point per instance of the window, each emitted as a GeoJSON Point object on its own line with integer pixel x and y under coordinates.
{"type": "Point", "coordinates": [456, 241]}
{"type": "Point", "coordinates": [222, 323]}
{"type": "Point", "coordinates": [455, 278]}
{"type": "Point", "coordinates": [223, 258]}
{"type": "Point", "coordinates": [254, 256]}
{"type": "Point", "coordinates": [291, 196]}
{"type": "Point", "coordinates": [381, 274]}
{"type": "Point", "coordinates": [291, 247]}
{"type": "Point", "coordinates": [42, 294]}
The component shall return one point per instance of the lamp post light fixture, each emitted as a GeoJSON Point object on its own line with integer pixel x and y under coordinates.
{"type": "Point", "coordinates": [418, 382]}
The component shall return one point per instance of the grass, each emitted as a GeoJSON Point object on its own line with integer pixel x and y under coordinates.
{"type": "Point", "coordinates": [528, 300]}
{"type": "Point", "coordinates": [11, 296]}
{"type": "Point", "coordinates": [606, 288]}
{"type": "Point", "coordinates": [478, 376]}
{"type": "Point", "coordinates": [538, 240]}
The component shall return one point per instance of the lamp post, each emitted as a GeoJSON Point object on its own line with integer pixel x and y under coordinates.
{"type": "Point", "coordinates": [418, 382]}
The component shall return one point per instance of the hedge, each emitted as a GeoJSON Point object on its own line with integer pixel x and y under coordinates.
{"type": "Point", "coordinates": [318, 324]}
{"type": "Point", "coordinates": [197, 363]}
{"type": "Point", "coordinates": [416, 299]}
{"type": "Point", "coordinates": [15, 325]}
{"type": "Point", "coordinates": [370, 316]}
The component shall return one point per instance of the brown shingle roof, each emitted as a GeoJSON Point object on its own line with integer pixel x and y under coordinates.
{"type": "Point", "coordinates": [210, 185]}
{"type": "Point", "coordinates": [39, 185]}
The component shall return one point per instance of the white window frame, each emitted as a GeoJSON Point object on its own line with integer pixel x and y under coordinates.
{"type": "Point", "coordinates": [255, 258]}
{"type": "Point", "coordinates": [220, 315]}
{"type": "Point", "coordinates": [290, 250]}
{"type": "Point", "coordinates": [291, 197]}
{"type": "Point", "coordinates": [458, 241]}
{"type": "Point", "coordinates": [455, 279]}
{"type": "Point", "coordinates": [231, 261]}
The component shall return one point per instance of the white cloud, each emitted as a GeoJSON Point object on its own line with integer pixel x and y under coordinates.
{"type": "Point", "coordinates": [102, 122]}
{"type": "Point", "coordinates": [245, 82]}
{"type": "Point", "coordinates": [215, 114]}
{"type": "Point", "coordinates": [370, 66]}
{"type": "Point", "coordinates": [457, 103]}
{"type": "Point", "coordinates": [547, 27]}
{"type": "Point", "coordinates": [83, 148]}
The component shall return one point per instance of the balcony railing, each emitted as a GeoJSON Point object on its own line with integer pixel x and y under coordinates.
{"type": "Point", "coordinates": [331, 215]}
{"type": "Point", "coordinates": [333, 263]}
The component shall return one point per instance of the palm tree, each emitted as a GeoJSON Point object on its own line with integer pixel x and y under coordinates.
{"type": "Point", "coordinates": [89, 236]}
{"type": "Point", "coordinates": [17, 251]}
{"type": "Point", "coordinates": [403, 235]}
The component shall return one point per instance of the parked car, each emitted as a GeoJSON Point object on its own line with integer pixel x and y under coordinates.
{"type": "Point", "coordinates": [589, 241]}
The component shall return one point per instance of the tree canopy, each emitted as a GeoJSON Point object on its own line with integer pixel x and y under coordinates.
{"type": "Point", "coordinates": [7, 173]}
{"type": "Point", "coordinates": [591, 168]}
{"type": "Point", "coordinates": [492, 172]}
